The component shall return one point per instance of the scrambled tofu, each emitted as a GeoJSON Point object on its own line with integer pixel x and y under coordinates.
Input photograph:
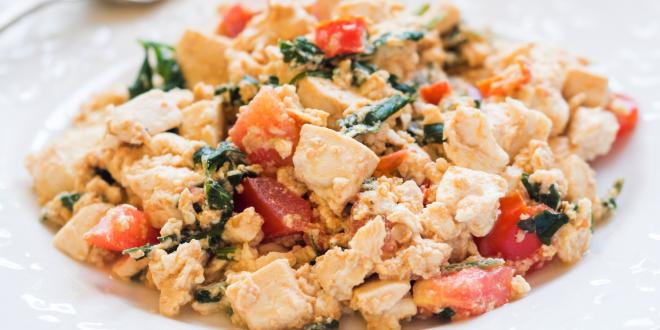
{"type": "Point", "coordinates": [310, 159]}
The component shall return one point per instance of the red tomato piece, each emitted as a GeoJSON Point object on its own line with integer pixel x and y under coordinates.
{"type": "Point", "coordinates": [123, 227]}
{"type": "Point", "coordinates": [468, 292]}
{"type": "Point", "coordinates": [434, 92]}
{"type": "Point", "coordinates": [342, 36]}
{"type": "Point", "coordinates": [283, 211]}
{"type": "Point", "coordinates": [502, 241]}
{"type": "Point", "coordinates": [391, 161]}
{"type": "Point", "coordinates": [234, 20]}
{"type": "Point", "coordinates": [626, 111]}
{"type": "Point", "coordinates": [507, 82]}
{"type": "Point", "coordinates": [261, 126]}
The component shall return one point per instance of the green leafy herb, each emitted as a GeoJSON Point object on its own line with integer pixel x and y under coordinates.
{"type": "Point", "coordinates": [609, 201]}
{"type": "Point", "coordinates": [544, 224]}
{"type": "Point", "coordinates": [69, 200]}
{"type": "Point", "coordinates": [374, 116]}
{"type": "Point", "coordinates": [225, 253]}
{"type": "Point", "coordinates": [361, 71]}
{"type": "Point", "coordinates": [433, 133]}
{"type": "Point", "coordinates": [210, 293]}
{"type": "Point", "coordinates": [217, 197]}
{"type": "Point", "coordinates": [105, 175]}
{"type": "Point", "coordinates": [329, 324]}
{"type": "Point", "coordinates": [311, 73]}
{"type": "Point", "coordinates": [385, 37]}
{"type": "Point", "coordinates": [138, 252]}
{"type": "Point", "coordinates": [445, 314]}
{"type": "Point", "coordinates": [551, 199]}
{"type": "Point", "coordinates": [301, 51]}
{"type": "Point", "coordinates": [403, 88]}
{"type": "Point", "coordinates": [483, 264]}
{"type": "Point", "coordinates": [137, 277]}
{"type": "Point", "coordinates": [165, 66]}
{"type": "Point", "coordinates": [422, 10]}
{"type": "Point", "coordinates": [212, 159]}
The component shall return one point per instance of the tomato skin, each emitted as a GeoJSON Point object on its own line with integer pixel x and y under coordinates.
{"type": "Point", "coordinates": [501, 241]}
{"type": "Point", "coordinates": [265, 120]}
{"type": "Point", "coordinates": [274, 202]}
{"type": "Point", "coordinates": [469, 292]}
{"type": "Point", "coordinates": [626, 111]}
{"type": "Point", "coordinates": [434, 92]}
{"type": "Point", "coordinates": [342, 36]}
{"type": "Point", "coordinates": [234, 20]}
{"type": "Point", "coordinates": [508, 81]}
{"type": "Point", "coordinates": [122, 227]}
{"type": "Point", "coordinates": [391, 161]}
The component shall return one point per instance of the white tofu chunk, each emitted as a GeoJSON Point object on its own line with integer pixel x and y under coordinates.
{"type": "Point", "coordinates": [69, 239]}
{"type": "Point", "coordinates": [243, 227]}
{"type": "Point", "coordinates": [203, 121]}
{"type": "Point", "coordinates": [271, 298]}
{"type": "Point", "coordinates": [592, 131]}
{"type": "Point", "coordinates": [473, 197]}
{"type": "Point", "coordinates": [514, 125]}
{"type": "Point", "coordinates": [369, 239]}
{"type": "Point", "coordinates": [202, 58]}
{"type": "Point", "coordinates": [339, 271]}
{"type": "Point", "coordinates": [319, 93]}
{"type": "Point", "coordinates": [580, 177]}
{"type": "Point", "coordinates": [148, 114]}
{"type": "Point", "coordinates": [376, 297]}
{"type": "Point", "coordinates": [470, 141]}
{"type": "Point", "coordinates": [594, 87]}
{"type": "Point", "coordinates": [332, 165]}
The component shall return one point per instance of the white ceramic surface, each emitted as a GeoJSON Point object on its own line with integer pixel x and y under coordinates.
{"type": "Point", "coordinates": [52, 60]}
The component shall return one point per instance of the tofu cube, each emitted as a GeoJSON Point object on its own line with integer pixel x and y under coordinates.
{"type": "Point", "coordinates": [69, 239]}
{"type": "Point", "coordinates": [202, 58]}
{"type": "Point", "coordinates": [271, 298]}
{"type": "Point", "coordinates": [332, 165]}
{"type": "Point", "coordinates": [319, 93]}
{"type": "Point", "coordinates": [594, 87]}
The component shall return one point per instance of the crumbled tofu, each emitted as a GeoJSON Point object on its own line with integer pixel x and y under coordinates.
{"type": "Point", "coordinates": [422, 259]}
{"type": "Point", "coordinates": [373, 10]}
{"type": "Point", "coordinates": [177, 274]}
{"type": "Point", "coordinates": [572, 239]}
{"type": "Point", "coordinates": [170, 143]}
{"type": "Point", "coordinates": [70, 239]}
{"type": "Point", "coordinates": [593, 86]}
{"type": "Point", "coordinates": [148, 114]}
{"type": "Point", "coordinates": [202, 58]}
{"type": "Point", "coordinates": [441, 15]}
{"type": "Point", "coordinates": [472, 197]}
{"type": "Point", "coordinates": [319, 93]}
{"type": "Point", "coordinates": [592, 131]}
{"type": "Point", "coordinates": [244, 227]}
{"type": "Point", "coordinates": [369, 239]}
{"type": "Point", "coordinates": [66, 156]}
{"type": "Point", "coordinates": [203, 121]}
{"type": "Point", "coordinates": [338, 271]}
{"type": "Point", "coordinates": [377, 296]}
{"type": "Point", "coordinates": [536, 156]}
{"type": "Point", "coordinates": [126, 267]}
{"type": "Point", "coordinates": [390, 319]}
{"type": "Point", "coordinates": [270, 298]}
{"type": "Point", "coordinates": [286, 175]}
{"type": "Point", "coordinates": [514, 125]}
{"type": "Point", "coordinates": [519, 287]}
{"type": "Point", "coordinates": [315, 161]}
{"type": "Point", "coordinates": [581, 178]}
{"type": "Point", "coordinates": [471, 143]}
{"type": "Point", "coordinates": [548, 100]}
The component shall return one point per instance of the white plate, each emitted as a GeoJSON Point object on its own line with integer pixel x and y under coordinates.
{"type": "Point", "coordinates": [51, 61]}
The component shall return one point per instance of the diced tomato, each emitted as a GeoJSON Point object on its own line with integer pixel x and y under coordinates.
{"type": "Point", "coordinates": [503, 240]}
{"type": "Point", "coordinates": [263, 125]}
{"type": "Point", "coordinates": [283, 211]}
{"type": "Point", "coordinates": [469, 292]}
{"type": "Point", "coordinates": [122, 227]}
{"type": "Point", "coordinates": [234, 20]}
{"type": "Point", "coordinates": [434, 92]}
{"type": "Point", "coordinates": [391, 161]}
{"type": "Point", "coordinates": [342, 36]}
{"type": "Point", "coordinates": [626, 111]}
{"type": "Point", "coordinates": [506, 82]}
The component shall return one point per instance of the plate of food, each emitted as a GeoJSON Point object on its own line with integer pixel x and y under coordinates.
{"type": "Point", "coordinates": [329, 164]}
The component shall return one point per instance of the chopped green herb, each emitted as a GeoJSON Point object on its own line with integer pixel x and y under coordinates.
{"type": "Point", "coordinates": [374, 116]}
{"type": "Point", "coordinates": [273, 81]}
{"type": "Point", "coordinates": [313, 73]}
{"type": "Point", "coordinates": [433, 133]}
{"type": "Point", "coordinates": [212, 159]}
{"type": "Point", "coordinates": [445, 314]}
{"type": "Point", "coordinates": [361, 72]}
{"type": "Point", "coordinates": [609, 201]}
{"type": "Point", "coordinates": [225, 253]}
{"type": "Point", "coordinates": [422, 10]}
{"type": "Point", "coordinates": [166, 67]}
{"type": "Point", "coordinates": [137, 277]}
{"type": "Point", "coordinates": [301, 51]}
{"type": "Point", "coordinates": [551, 199]}
{"type": "Point", "coordinates": [105, 175]}
{"type": "Point", "coordinates": [210, 293]}
{"type": "Point", "coordinates": [69, 200]}
{"type": "Point", "coordinates": [138, 252]}
{"type": "Point", "coordinates": [385, 37]}
{"type": "Point", "coordinates": [329, 324]}
{"type": "Point", "coordinates": [544, 224]}
{"type": "Point", "coordinates": [483, 264]}
{"type": "Point", "coordinates": [403, 88]}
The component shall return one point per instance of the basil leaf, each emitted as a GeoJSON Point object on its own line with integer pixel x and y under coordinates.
{"type": "Point", "coordinates": [544, 224]}
{"type": "Point", "coordinates": [551, 199]}
{"type": "Point", "coordinates": [69, 200]}
{"type": "Point", "coordinates": [445, 314]}
{"type": "Point", "coordinates": [165, 66]}
{"type": "Point", "coordinates": [210, 293]}
{"type": "Point", "coordinates": [433, 133]}
{"type": "Point", "coordinates": [301, 51]}
{"type": "Point", "coordinates": [375, 115]}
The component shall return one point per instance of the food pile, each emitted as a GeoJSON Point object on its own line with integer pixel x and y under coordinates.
{"type": "Point", "coordinates": [309, 159]}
